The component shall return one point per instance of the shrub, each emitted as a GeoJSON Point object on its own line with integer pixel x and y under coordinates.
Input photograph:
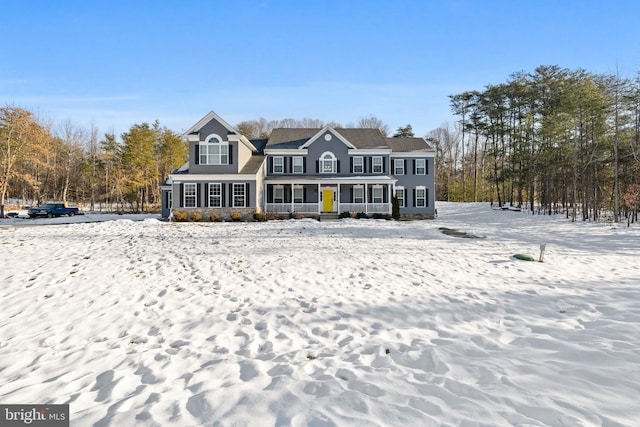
{"type": "Point", "coordinates": [377, 216]}
{"type": "Point", "coordinates": [214, 217]}
{"type": "Point", "coordinates": [345, 214]}
{"type": "Point", "coordinates": [196, 217]}
{"type": "Point", "coordinates": [180, 216]}
{"type": "Point", "coordinates": [271, 216]}
{"type": "Point", "coordinates": [395, 208]}
{"type": "Point", "coordinates": [361, 215]}
{"type": "Point", "coordinates": [259, 217]}
{"type": "Point", "coordinates": [236, 216]}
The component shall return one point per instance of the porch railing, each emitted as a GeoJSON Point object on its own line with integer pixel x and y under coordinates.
{"type": "Point", "coordinates": [295, 207]}
{"type": "Point", "coordinates": [383, 208]}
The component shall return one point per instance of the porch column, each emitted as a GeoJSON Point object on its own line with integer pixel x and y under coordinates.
{"type": "Point", "coordinates": [366, 197]}
{"type": "Point", "coordinates": [292, 198]}
{"type": "Point", "coordinates": [338, 199]}
{"type": "Point", "coordinates": [319, 201]}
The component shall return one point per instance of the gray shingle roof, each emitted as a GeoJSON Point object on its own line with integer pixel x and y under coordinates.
{"type": "Point", "coordinates": [253, 165]}
{"type": "Point", "coordinates": [290, 137]}
{"type": "Point", "coordinates": [407, 145]}
{"type": "Point", "coordinates": [296, 137]}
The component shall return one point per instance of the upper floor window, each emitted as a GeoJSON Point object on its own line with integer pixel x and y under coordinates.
{"type": "Point", "coordinates": [421, 166]}
{"type": "Point", "coordinates": [328, 163]}
{"type": "Point", "coordinates": [358, 164]}
{"type": "Point", "coordinates": [278, 164]}
{"type": "Point", "coordinates": [376, 164]}
{"type": "Point", "coordinates": [214, 151]}
{"type": "Point", "coordinates": [398, 166]}
{"type": "Point", "coordinates": [298, 164]}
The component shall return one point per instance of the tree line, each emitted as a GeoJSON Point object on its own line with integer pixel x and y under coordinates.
{"type": "Point", "coordinates": [70, 163]}
{"type": "Point", "coordinates": [552, 140]}
{"type": "Point", "coordinates": [73, 164]}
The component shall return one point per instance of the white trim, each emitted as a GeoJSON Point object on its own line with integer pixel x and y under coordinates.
{"type": "Point", "coordinates": [369, 152]}
{"type": "Point", "coordinates": [369, 179]}
{"type": "Point", "coordinates": [423, 155]}
{"type": "Point", "coordinates": [404, 195]}
{"type": "Point", "coordinates": [328, 156]}
{"type": "Point", "coordinates": [209, 186]}
{"type": "Point", "coordinates": [233, 194]}
{"type": "Point", "coordinates": [210, 116]}
{"type": "Point", "coordinates": [358, 187]}
{"type": "Point", "coordinates": [181, 178]}
{"type": "Point", "coordinates": [279, 187]}
{"type": "Point", "coordinates": [415, 167]}
{"type": "Point", "coordinates": [184, 195]}
{"type": "Point", "coordinates": [373, 165]}
{"type": "Point", "coordinates": [293, 193]}
{"type": "Point", "coordinates": [421, 187]}
{"type": "Point", "coordinates": [353, 163]}
{"type": "Point", "coordinates": [404, 172]}
{"type": "Point", "coordinates": [220, 144]}
{"type": "Point", "coordinates": [322, 132]}
{"type": "Point", "coordinates": [285, 151]}
{"type": "Point", "coordinates": [293, 165]}
{"type": "Point", "coordinates": [273, 164]}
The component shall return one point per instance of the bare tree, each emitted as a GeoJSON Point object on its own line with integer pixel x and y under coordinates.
{"type": "Point", "coordinates": [373, 122]}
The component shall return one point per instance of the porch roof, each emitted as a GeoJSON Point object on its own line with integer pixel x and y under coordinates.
{"type": "Point", "coordinates": [384, 179]}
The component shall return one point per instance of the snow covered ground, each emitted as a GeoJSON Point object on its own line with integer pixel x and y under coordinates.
{"type": "Point", "coordinates": [301, 323]}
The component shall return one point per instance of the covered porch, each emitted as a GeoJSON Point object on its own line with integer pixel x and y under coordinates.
{"type": "Point", "coordinates": [370, 195]}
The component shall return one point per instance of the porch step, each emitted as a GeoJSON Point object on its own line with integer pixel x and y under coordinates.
{"type": "Point", "coordinates": [329, 217]}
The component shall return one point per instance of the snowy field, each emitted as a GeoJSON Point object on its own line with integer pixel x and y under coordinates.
{"type": "Point", "coordinates": [301, 323]}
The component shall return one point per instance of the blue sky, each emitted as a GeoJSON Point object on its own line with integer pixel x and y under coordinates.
{"type": "Point", "coordinates": [116, 63]}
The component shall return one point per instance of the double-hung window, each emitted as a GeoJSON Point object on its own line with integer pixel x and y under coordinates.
{"type": "Point", "coordinates": [400, 196]}
{"type": "Point", "coordinates": [298, 165]}
{"type": "Point", "coordinates": [376, 164]}
{"type": "Point", "coordinates": [358, 194]}
{"type": "Point", "coordinates": [214, 151]}
{"type": "Point", "coordinates": [190, 195]}
{"type": "Point", "coordinates": [421, 167]}
{"type": "Point", "coordinates": [278, 164]}
{"type": "Point", "coordinates": [239, 196]}
{"type": "Point", "coordinates": [421, 197]}
{"type": "Point", "coordinates": [398, 166]}
{"type": "Point", "coordinates": [278, 194]}
{"type": "Point", "coordinates": [358, 164]}
{"type": "Point", "coordinates": [377, 194]}
{"type": "Point", "coordinates": [215, 195]}
{"type": "Point", "coordinates": [298, 194]}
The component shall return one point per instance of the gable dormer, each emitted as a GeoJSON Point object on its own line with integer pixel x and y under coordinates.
{"type": "Point", "coordinates": [216, 147]}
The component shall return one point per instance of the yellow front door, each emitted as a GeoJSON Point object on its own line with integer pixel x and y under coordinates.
{"type": "Point", "coordinates": [327, 200]}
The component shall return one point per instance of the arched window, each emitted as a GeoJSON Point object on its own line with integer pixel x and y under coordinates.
{"type": "Point", "coordinates": [328, 162]}
{"type": "Point", "coordinates": [214, 151]}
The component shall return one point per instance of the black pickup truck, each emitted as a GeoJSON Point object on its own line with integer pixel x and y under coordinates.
{"type": "Point", "coordinates": [50, 210]}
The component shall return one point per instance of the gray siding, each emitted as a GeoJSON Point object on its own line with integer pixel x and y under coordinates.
{"type": "Point", "coordinates": [320, 146]}
{"type": "Point", "coordinates": [410, 181]}
{"type": "Point", "coordinates": [227, 193]}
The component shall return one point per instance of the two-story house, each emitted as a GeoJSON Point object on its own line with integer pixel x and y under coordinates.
{"type": "Point", "coordinates": [302, 171]}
